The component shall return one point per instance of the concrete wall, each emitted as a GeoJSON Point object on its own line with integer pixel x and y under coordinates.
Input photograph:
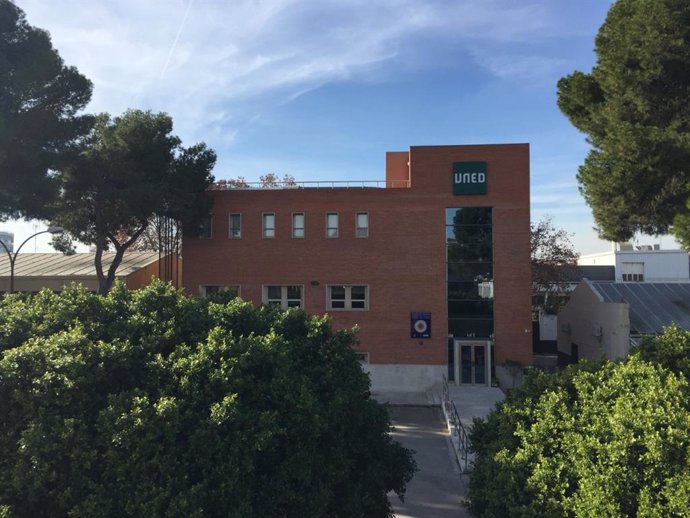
{"type": "Point", "coordinates": [659, 265]}
{"type": "Point", "coordinates": [596, 327]}
{"type": "Point", "coordinates": [404, 378]}
{"type": "Point", "coordinates": [603, 258]}
{"type": "Point", "coordinates": [135, 280]}
{"type": "Point", "coordinates": [35, 284]}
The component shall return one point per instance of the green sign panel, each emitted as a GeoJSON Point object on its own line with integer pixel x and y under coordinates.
{"type": "Point", "coordinates": [469, 177]}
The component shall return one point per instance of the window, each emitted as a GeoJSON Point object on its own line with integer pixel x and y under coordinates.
{"type": "Point", "coordinates": [348, 297]}
{"type": "Point", "coordinates": [235, 226]}
{"type": "Point", "coordinates": [206, 228]}
{"type": "Point", "coordinates": [283, 296]}
{"type": "Point", "coordinates": [633, 277]}
{"type": "Point", "coordinates": [632, 272]}
{"type": "Point", "coordinates": [269, 225]}
{"type": "Point", "coordinates": [362, 357]}
{"type": "Point", "coordinates": [298, 225]}
{"type": "Point", "coordinates": [206, 290]}
{"type": "Point", "coordinates": [362, 224]}
{"type": "Point", "coordinates": [332, 224]}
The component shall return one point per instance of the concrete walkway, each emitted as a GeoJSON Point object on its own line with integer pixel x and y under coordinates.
{"type": "Point", "coordinates": [474, 401]}
{"type": "Point", "coordinates": [470, 400]}
{"type": "Point", "coordinates": [439, 488]}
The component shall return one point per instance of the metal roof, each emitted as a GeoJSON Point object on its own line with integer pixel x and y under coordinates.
{"type": "Point", "coordinates": [653, 305]}
{"type": "Point", "coordinates": [77, 265]}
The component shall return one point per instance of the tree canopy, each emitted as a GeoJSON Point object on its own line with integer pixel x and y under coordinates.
{"type": "Point", "coordinates": [604, 439]}
{"type": "Point", "coordinates": [151, 403]}
{"type": "Point", "coordinates": [554, 264]}
{"type": "Point", "coordinates": [39, 101]}
{"type": "Point", "coordinates": [266, 181]}
{"type": "Point", "coordinates": [633, 107]}
{"type": "Point", "coordinates": [130, 170]}
{"type": "Point", "coordinates": [162, 235]}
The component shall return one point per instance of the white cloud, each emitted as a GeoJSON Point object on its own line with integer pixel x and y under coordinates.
{"type": "Point", "coordinates": [214, 65]}
{"type": "Point", "coordinates": [522, 67]}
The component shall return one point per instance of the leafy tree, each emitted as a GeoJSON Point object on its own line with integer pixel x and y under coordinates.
{"type": "Point", "coordinates": [267, 181]}
{"type": "Point", "coordinates": [633, 107]}
{"type": "Point", "coordinates": [671, 350]}
{"type": "Point", "coordinates": [39, 100]}
{"type": "Point", "coordinates": [554, 264]}
{"type": "Point", "coordinates": [272, 181]}
{"type": "Point", "coordinates": [161, 235]}
{"type": "Point", "coordinates": [131, 170]}
{"type": "Point", "coordinates": [233, 183]}
{"type": "Point", "coordinates": [602, 439]}
{"type": "Point", "coordinates": [150, 403]}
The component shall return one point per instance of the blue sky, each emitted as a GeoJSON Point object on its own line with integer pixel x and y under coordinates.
{"type": "Point", "coordinates": [321, 89]}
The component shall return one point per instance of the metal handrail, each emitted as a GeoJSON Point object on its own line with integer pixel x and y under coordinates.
{"type": "Point", "coordinates": [457, 428]}
{"type": "Point", "coordinates": [463, 439]}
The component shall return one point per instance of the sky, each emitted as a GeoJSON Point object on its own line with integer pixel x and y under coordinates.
{"type": "Point", "coordinates": [321, 89]}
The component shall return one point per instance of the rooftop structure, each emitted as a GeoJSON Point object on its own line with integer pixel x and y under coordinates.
{"type": "Point", "coordinates": [647, 263]}
{"type": "Point", "coordinates": [607, 317]}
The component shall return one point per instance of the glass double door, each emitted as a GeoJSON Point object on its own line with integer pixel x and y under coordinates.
{"type": "Point", "coordinates": [472, 362]}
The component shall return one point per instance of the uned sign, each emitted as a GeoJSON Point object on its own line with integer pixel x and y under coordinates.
{"type": "Point", "coordinates": [469, 177]}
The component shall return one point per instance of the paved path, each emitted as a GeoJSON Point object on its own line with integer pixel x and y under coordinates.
{"type": "Point", "coordinates": [437, 489]}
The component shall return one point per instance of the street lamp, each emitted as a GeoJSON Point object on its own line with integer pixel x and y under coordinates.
{"type": "Point", "coordinates": [13, 257]}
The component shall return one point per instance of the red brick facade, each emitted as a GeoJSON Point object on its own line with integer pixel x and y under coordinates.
{"type": "Point", "coordinates": [402, 261]}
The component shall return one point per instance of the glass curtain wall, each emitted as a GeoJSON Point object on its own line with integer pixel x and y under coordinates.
{"type": "Point", "coordinates": [469, 245]}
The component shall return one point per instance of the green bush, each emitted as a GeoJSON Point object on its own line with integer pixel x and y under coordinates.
{"type": "Point", "coordinates": [597, 440]}
{"type": "Point", "coordinates": [149, 403]}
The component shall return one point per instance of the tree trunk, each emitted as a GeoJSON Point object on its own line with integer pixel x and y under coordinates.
{"type": "Point", "coordinates": [100, 247]}
{"type": "Point", "coordinates": [105, 282]}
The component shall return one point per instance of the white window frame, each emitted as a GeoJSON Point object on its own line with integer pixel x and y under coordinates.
{"type": "Point", "coordinates": [203, 289]}
{"type": "Point", "coordinates": [332, 232]}
{"type": "Point", "coordinates": [284, 301]}
{"type": "Point", "coordinates": [295, 228]}
{"type": "Point", "coordinates": [361, 231]}
{"type": "Point", "coordinates": [231, 234]}
{"type": "Point", "coordinates": [266, 231]}
{"type": "Point", "coordinates": [347, 302]}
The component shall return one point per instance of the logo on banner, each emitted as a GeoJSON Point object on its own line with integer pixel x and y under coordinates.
{"type": "Point", "coordinates": [420, 325]}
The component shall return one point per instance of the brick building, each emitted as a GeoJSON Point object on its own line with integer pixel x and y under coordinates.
{"type": "Point", "coordinates": [433, 264]}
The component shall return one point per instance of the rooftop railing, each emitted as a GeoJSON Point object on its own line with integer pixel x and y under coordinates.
{"type": "Point", "coordinates": [232, 185]}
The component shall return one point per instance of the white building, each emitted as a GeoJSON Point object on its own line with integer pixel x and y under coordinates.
{"type": "Point", "coordinates": [605, 318]}
{"type": "Point", "coordinates": [643, 263]}
{"type": "Point", "coordinates": [8, 239]}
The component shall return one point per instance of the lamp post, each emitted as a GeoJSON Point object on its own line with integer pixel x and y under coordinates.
{"type": "Point", "coordinates": [13, 257]}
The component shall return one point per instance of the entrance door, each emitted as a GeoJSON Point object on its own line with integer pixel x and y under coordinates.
{"type": "Point", "coordinates": [473, 364]}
